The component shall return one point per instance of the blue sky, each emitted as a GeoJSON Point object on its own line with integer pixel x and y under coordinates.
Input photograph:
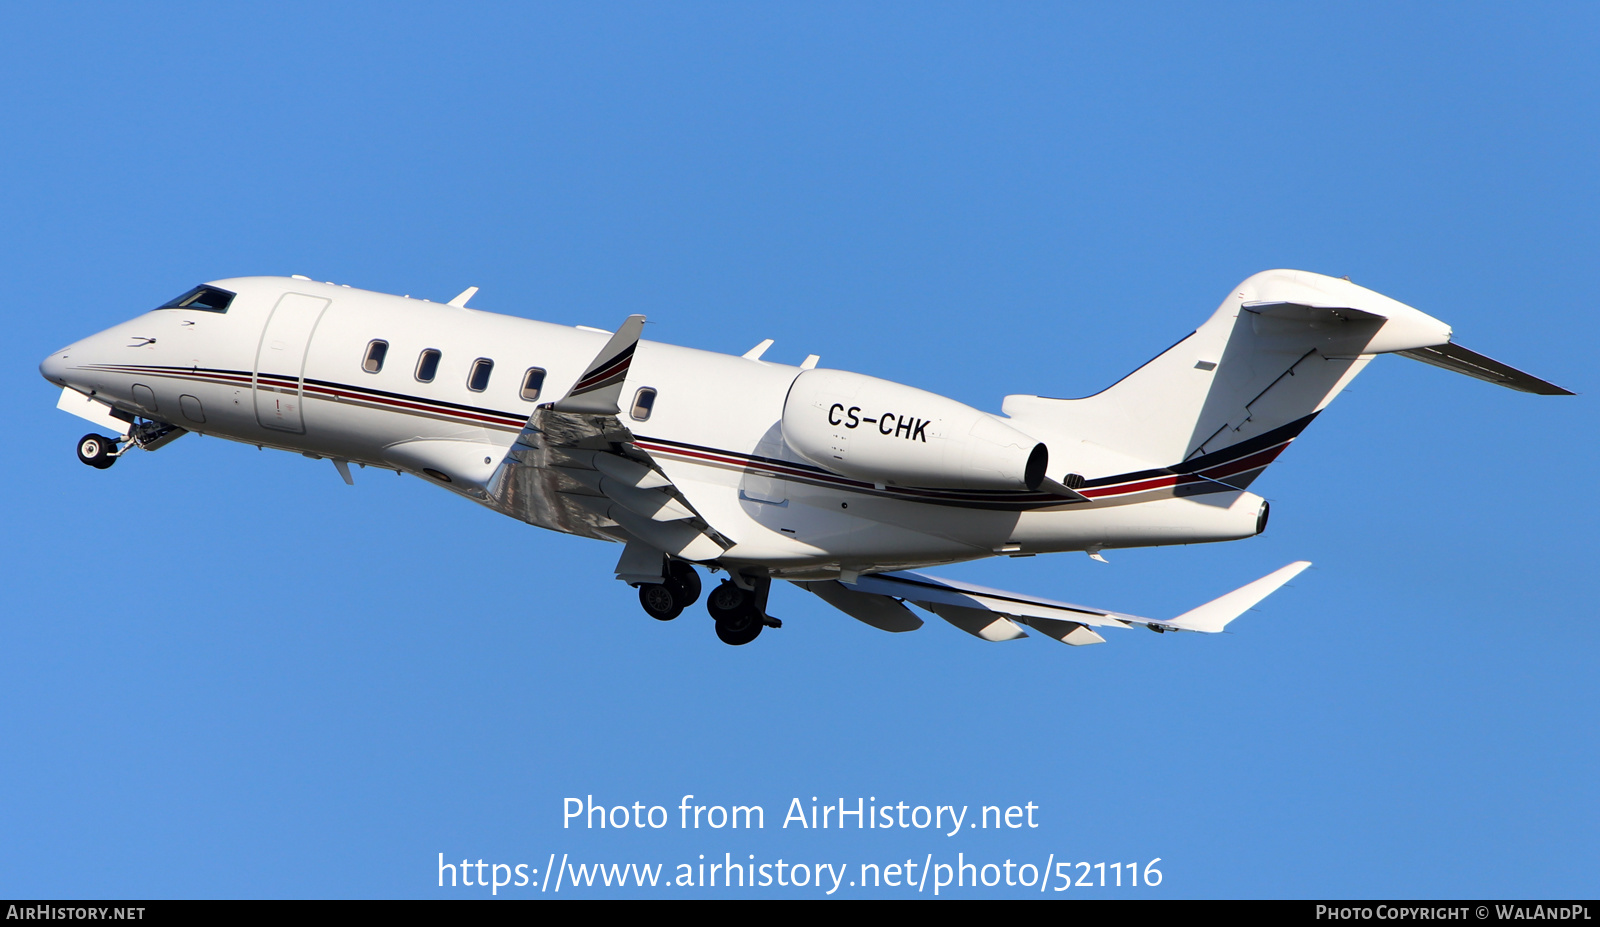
{"type": "Point", "coordinates": [229, 674]}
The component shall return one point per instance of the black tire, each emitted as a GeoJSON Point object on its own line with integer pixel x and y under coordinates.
{"type": "Point", "coordinates": [741, 630]}
{"type": "Point", "coordinates": [728, 601]}
{"type": "Point", "coordinates": [686, 579]}
{"type": "Point", "coordinates": [660, 602]}
{"type": "Point", "coordinates": [95, 450]}
{"type": "Point", "coordinates": [738, 620]}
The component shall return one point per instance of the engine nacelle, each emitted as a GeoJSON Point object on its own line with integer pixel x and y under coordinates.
{"type": "Point", "coordinates": [883, 432]}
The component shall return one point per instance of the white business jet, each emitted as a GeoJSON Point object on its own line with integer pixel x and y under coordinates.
{"type": "Point", "coordinates": [838, 482]}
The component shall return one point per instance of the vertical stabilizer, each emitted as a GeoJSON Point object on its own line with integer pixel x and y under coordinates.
{"type": "Point", "coordinates": [1277, 351]}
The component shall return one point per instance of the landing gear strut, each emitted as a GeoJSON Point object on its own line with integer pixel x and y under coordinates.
{"type": "Point", "coordinates": [666, 601]}
{"type": "Point", "coordinates": [740, 613]}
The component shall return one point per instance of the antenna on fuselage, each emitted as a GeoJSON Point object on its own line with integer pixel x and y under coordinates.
{"type": "Point", "coordinates": [460, 302]}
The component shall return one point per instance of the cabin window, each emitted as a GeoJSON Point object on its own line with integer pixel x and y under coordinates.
{"type": "Point", "coordinates": [478, 379]}
{"type": "Point", "coordinates": [532, 383]}
{"type": "Point", "coordinates": [204, 298]}
{"type": "Point", "coordinates": [376, 351]}
{"type": "Point", "coordinates": [428, 365]}
{"type": "Point", "coordinates": [643, 401]}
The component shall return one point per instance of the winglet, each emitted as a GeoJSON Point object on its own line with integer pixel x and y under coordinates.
{"type": "Point", "coordinates": [1213, 616]}
{"type": "Point", "coordinates": [600, 388]}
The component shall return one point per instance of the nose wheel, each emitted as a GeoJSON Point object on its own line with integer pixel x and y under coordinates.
{"type": "Point", "coordinates": [100, 452]}
{"type": "Point", "coordinates": [97, 451]}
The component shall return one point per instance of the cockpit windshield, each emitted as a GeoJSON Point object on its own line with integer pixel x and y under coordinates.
{"type": "Point", "coordinates": [205, 298]}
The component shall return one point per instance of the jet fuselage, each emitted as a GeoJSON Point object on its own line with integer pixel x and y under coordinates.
{"type": "Point", "coordinates": [441, 391]}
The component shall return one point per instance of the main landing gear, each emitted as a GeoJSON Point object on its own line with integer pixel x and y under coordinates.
{"type": "Point", "coordinates": [666, 601]}
{"type": "Point", "coordinates": [740, 613]}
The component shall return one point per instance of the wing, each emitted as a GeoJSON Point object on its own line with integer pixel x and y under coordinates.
{"type": "Point", "coordinates": [996, 615]}
{"type": "Point", "coordinates": [575, 468]}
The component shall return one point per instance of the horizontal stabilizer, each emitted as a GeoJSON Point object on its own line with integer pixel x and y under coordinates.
{"type": "Point", "coordinates": [1213, 616]}
{"type": "Point", "coordinates": [1455, 357]}
{"type": "Point", "coordinates": [1304, 312]}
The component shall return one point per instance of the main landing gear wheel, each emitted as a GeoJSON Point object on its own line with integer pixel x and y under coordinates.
{"type": "Point", "coordinates": [686, 582]}
{"type": "Point", "coordinates": [660, 601]}
{"type": "Point", "coordinates": [738, 618]}
{"type": "Point", "coordinates": [666, 601]}
{"type": "Point", "coordinates": [741, 630]}
{"type": "Point", "coordinates": [97, 451]}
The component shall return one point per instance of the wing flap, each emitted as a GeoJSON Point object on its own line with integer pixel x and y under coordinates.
{"type": "Point", "coordinates": [534, 482]}
{"type": "Point", "coordinates": [927, 591]}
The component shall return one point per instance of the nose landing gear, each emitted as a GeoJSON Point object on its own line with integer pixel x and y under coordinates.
{"type": "Point", "coordinates": [100, 452]}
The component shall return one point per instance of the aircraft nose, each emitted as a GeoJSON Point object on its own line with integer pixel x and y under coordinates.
{"type": "Point", "coordinates": [54, 367]}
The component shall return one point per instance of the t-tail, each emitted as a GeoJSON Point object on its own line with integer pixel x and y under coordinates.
{"type": "Point", "coordinates": [1225, 401]}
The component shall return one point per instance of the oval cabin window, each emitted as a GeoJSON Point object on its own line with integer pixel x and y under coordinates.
{"type": "Point", "coordinates": [428, 365]}
{"type": "Point", "coordinates": [376, 351]}
{"type": "Point", "coordinates": [532, 383]}
{"type": "Point", "coordinates": [643, 402]}
{"type": "Point", "coordinates": [478, 379]}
